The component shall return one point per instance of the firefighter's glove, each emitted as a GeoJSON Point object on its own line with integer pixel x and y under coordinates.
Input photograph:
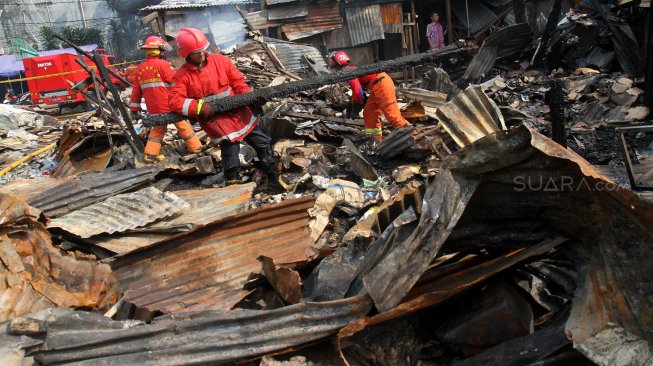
{"type": "Point", "coordinates": [257, 106]}
{"type": "Point", "coordinates": [134, 116]}
{"type": "Point", "coordinates": [354, 110]}
{"type": "Point", "coordinates": [205, 112]}
{"type": "Point", "coordinates": [259, 102]}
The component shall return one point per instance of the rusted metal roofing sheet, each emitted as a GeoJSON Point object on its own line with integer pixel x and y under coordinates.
{"type": "Point", "coordinates": [211, 337]}
{"type": "Point", "coordinates": [290, 55]}
{"type": "Point", "coordinates": [25, 189]}
{"type": "Point", "coordinates": [35, 276]}
{"type": "Point", "coordinates": [469, 116]}
{"type": "Point", "coordinates": [120, 213]}
{"type": "Point", "coordinates": [365, 24]}
{"type": "Point", "coordinates": [611, 234]}
{"type": "Point", "coordinates": [259, 20]}
{"type": "Point", "coordinates": [321, 18]}
{"type": "Point", "coordinates": [89, 189]}
{"type": "Point", "coordinates": [70, 166]}
{"type": "Point", "coordinates": [206, 206]}
{"type": "Point", "coordinates": [207, 267]}
{"type": "Point", "coordinates": [392, 15]}
{"type": "Point", "coordinates": [181, 4]}
{"type": "Point", "coordinates": [287, 11]}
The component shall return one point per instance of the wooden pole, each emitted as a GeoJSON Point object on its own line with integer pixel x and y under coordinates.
{"type": "Point", "coordinates": [413, 16]}
{"type": "Point", "coordinates": [449, 24]}
{"type": "Point", "coordinates": [648, 72]}
{"type": "Point", "coordinates": [414, 44]}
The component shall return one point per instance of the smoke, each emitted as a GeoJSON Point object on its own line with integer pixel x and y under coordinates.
{"type": "Point", "coordinates": [223, 25]}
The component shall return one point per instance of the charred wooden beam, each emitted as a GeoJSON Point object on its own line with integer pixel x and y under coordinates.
{"type": "Point", "coordinates": [220, 105]}
{"type": "Point", "coordinates": [557, 116]}
{"type": "Point", "coordinates": [520, 11]}
{"type": "Point", "coordinates": [648, 93]}
{"type": "Point", "coordinates": [551, 24]}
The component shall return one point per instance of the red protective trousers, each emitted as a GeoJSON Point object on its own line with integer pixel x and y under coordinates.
{"type": "Point", "coordinates": [382, 99]}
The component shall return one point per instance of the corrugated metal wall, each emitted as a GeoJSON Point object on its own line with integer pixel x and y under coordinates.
{"type": "Point", "coordinates": [365, 24]}
{"type": "Point", "coordinates": [391, 15]}
{"type": "Point", "coordinates": [321, 18]}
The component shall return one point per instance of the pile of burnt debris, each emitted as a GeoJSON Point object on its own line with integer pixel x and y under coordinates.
{"type": "Point", "coordinates": [502, 228]}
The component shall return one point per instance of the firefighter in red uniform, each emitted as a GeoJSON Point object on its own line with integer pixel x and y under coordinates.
{"type": "Point", "coordinates": [152, 81]}
{"type": "Point", "coordinates": [382, 98]}
{"type": "Point", "coordinates": [206, 74]}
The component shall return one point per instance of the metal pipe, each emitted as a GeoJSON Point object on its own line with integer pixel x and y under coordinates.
{"type": "Point", "coordinates": [81, 7]}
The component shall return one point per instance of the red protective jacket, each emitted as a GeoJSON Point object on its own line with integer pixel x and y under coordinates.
{"type": "Point", "coordinates": [357, 93]}
{"type": "Point", "coordinates": [152, 80]}
{"type": "Point", "coordinates": [218, 76]}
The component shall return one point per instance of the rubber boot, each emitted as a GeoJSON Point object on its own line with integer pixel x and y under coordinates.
{"type": "Point", "coordinates": [274, 179]}
{"type": "Point", "coordinates": [153, 159]}
{"type": "Point", "coordinates": [232, 176]}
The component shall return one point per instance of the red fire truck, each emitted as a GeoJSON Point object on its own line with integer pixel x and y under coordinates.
{"type": "Point", "coordinates": [48, 78]}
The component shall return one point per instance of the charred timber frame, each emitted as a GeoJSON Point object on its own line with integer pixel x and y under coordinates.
{"type": "Point", "coordinates": [220, 105]}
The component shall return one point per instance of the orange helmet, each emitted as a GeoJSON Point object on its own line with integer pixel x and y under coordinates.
{"type": "Point", "coordinates": [338, 58]}
{"type": "Point", "coordinates": [155, 42]}
{"type": "Point", "coordinates": [191, 40]}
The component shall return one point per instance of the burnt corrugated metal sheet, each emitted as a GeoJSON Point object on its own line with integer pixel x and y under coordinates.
{"type": "Point", "coordinates": [365, 24]}
{"type": "Point", "coordinates": [611, 246]}
{"type": "Point", "coordinates": [321, 18]}
{"type": "Point", "coordinates": [427, 97]}
{"type": "Point", "coordinates": [207, 267]}
{"type": "Point", "coordinates": [65, 169]}
{"type": "Point", "coordinates": [89, 189]}
{"type": "Point", "coordinates": [35, 276]}
{"type": "Point", "coordinates": [392, 15]}
{"type": "Point", "coordinates": [507, 41]}
{"type": "Point", "coordinates": [479, 14]}
{"type": "Point", "coordinates": [206, 206]}
{"type": "Point", "coordinates": [182, 4]}
{"type": "Point", "coordinates": [120, 213]}
{"type": "Point", "coordinates": [438, 80]}
{"type": "Point", "coordinates": [395, 143]}
{"type": "Point", "coordinates": [25, 189]}
{"type": "Point", "coordinates": [259, 20]}
{"type": "Point", "coordinates": [469, 116]}
{"type": "Point", "coordinates": [376, 222]}
{"type": "Point", "coordinates": [290, 55]}
{"type": "Point", "coordinates": [207, 338]}
{"type": "Point", "coordinates": [69, 167]}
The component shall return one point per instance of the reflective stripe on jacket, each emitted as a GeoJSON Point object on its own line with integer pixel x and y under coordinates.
{"type": "Point", "coordinates": [217, 76]}
{"type": "Point", "coordinates": [152, 81]}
